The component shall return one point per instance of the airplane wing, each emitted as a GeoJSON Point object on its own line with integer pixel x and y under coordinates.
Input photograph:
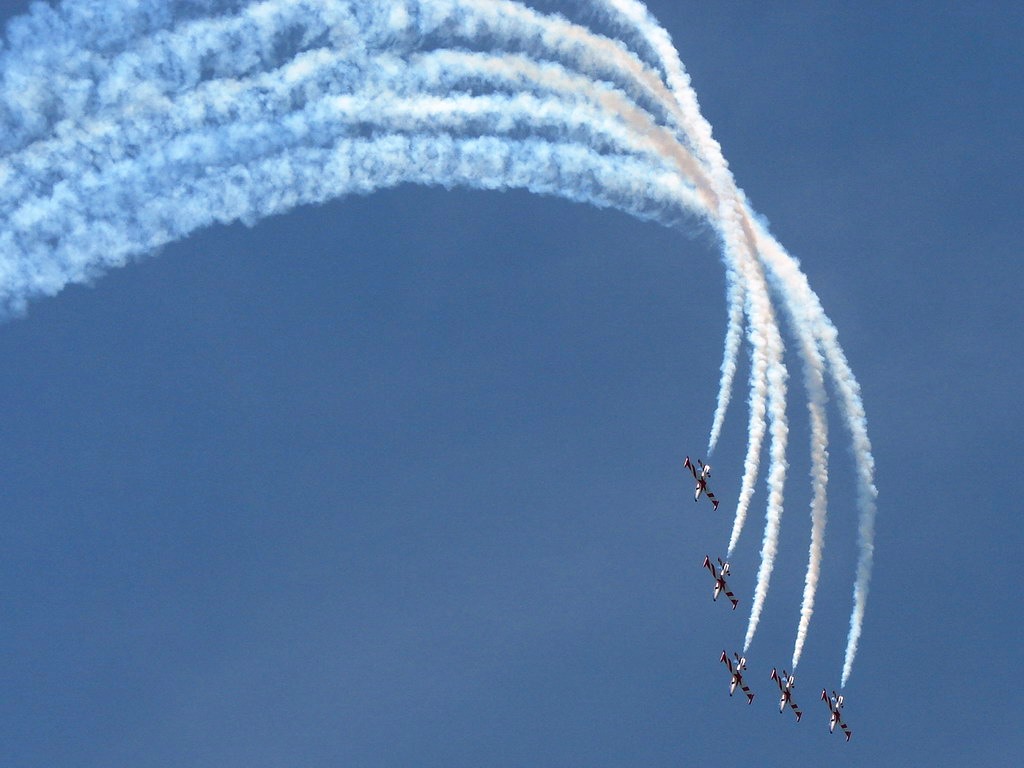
{"type": "Point", "coordinates": [732, 597]}
{"type": "Point", "coordinates": [795, 708]}
{"type": "Point", "coordinates": [725, 660]}
{"type": "Point", "coordinates": [710, 495]}
{"type": "Point", "coordinates": [709, 565]}
{"type": "Point", "coordinates": [746, 690]}
{"type": "Point", "coordinates": [690, 466]}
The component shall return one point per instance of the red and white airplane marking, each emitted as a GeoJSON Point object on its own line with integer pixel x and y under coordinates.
{"type": "Point", "coordinates": [835, 703]}
{"type": "Point", "coordinates": [737, 676]}
{"type": "Point", "coordinates": [701, 480]}
{"type": "Point", "coordinates": [786, 683]}
{"type": "Point", "coordinates": [719, 576]}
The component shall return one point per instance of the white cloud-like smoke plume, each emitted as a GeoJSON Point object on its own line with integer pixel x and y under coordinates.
{"type": "Point", "coordinates": [128, 124]}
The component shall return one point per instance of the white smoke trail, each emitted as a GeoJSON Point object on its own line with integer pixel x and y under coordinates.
{"type": "Point", "coordinates": [767, 355]}
{"type": "Point", "coordinates": [733, 336]}
{"type": "Point", "coordinates": [634, 17]}
{"type": "Point", "coordinates": [767, 349]}
{"type": "Point", "coordinates": [811, 317]}
{"type": "Point", "coordinates": [776, 480]}
{"type": "Point", "coordinates": [768, 376]}
{"type": "Point", "coordinates": [810, 325]}
{"type": "Point", "coordinates": [377, 108]}
{"type": "Point", "coordinates": [43, 214]}
{"type": "Point", "coordinates": [737, 249]}
{"type": "Point", "coordinates": [203, 38]}
{"type": "Point", "coordinates": [36, 210]}
{"type": "Point", "coordinates": [768, 373]}
{"type": "Point", "coordinates": [129, 124]}
{"type": "Point", "coordinates": [819, 507]}
{"type": "Point", "coordinates": [814, 383]}
{"type": "Point", "coordinates": [856, 421]}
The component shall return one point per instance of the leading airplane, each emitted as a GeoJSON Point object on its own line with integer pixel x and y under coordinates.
{"type": "Point", "coordinates": [701, 480]}
{"type": "Point", "coordinates": [786, 683]}
{"type": "Point", "coordinates": [835, 703]}
{"type": "Point", "coordinates": [737, 676]}
{"type": "Point", "coordinates": [719, 576]}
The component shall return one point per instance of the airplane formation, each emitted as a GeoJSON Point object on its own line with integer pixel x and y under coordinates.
{"type": "Point", "coordinates": [738, 664]}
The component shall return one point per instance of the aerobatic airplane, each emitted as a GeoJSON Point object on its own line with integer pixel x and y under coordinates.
{"type": "Point", "coordinates": [835, 703]}
{"type": "Point", "coordinates": [786, 683]}
{"type": "Point", "coordinates": [701, 480]}
{"type": "Point", "coordinates": [719, 576]}
{"type": "Point", "coordinates": [737, 676]}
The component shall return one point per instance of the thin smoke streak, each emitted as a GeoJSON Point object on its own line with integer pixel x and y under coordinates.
{"type": "Point", "coordinates": [730, 356]}
{"type": "Point", "coordinates": [852, 410]}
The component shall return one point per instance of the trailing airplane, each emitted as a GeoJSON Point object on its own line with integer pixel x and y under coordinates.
{"type": "Point", "coordinates": [835, 703]}
{"type": "Point", "coordinates": [719, 576]}
{"type": "Point", "coordinates": [701, 480]}
{"type": "Point", "coordinates": [786, 683]}
{"type": "Point", "coordinates": [737, 676]}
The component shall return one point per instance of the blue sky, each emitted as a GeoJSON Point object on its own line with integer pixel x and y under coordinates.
{"type": "Point", "coordinates": [397, 480]}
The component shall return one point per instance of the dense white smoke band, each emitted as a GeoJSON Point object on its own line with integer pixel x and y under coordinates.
{"type": "Point", "coordinates": [128, 124]}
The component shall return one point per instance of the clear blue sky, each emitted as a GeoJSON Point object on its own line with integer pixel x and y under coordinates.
{"type": "Point", "coordinates": [398, 480]}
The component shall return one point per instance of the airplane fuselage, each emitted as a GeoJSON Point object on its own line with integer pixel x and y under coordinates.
{"type": "Point", "coordinates": [701, 481]}
{"type": "Point", "coordinates": [719, 577]}
{"type": "Point", "coordinates": [835, 704]}
{"type": "Point", "coordinates": [833, 721]}
{"type": "Point", "coordinates": [736, 675]}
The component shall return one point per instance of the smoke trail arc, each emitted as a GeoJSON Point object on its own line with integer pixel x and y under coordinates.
{"type": "Point", "coordinates": [129, 124]}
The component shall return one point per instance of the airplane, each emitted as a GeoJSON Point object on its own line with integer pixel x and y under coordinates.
{"type": "Point", "coordinates": [720, 585]}
{"type": "Point", "coordinates": [835, 703]}
{"type": "Point", "coordinates": [701, 480]}
{"type": "Point", "coordinates": [737, 676]}
{"type": "Point", "coordinates": [786, 683]}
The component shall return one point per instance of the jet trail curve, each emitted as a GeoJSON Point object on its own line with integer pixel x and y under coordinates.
{"type": "Point", "coordinates": [129, 124]}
